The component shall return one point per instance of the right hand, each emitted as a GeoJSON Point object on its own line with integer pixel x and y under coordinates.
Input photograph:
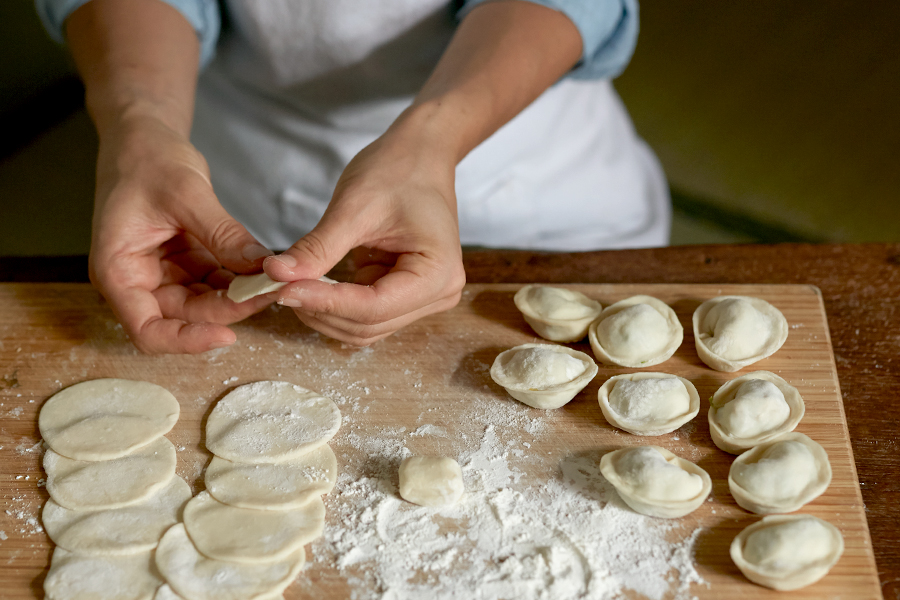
{"type": "Point", "coordinates": [163, 249]}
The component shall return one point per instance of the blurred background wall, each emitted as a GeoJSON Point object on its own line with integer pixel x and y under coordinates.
{"type": "Point", "coordinates": [775, 121]}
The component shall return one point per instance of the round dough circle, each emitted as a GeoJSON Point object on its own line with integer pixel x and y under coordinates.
{"type": "Point", "coordinates": [270, 422]}
{"type": "Point", "coordinates": [106, 418]}
{"type": "Point", "coordinates": [129, 530]}
{"type": "Point", "coordinates": [507, 366]}
{"type": "Point", "coordinates": [195, 576]}
{"type": "Point", "coordinates": [637, 332]}
{"type": "Point", "coordinates": [79, 577]}
{"type": "Point", "coordinates": [92, 485]}
{"type": "Point", "coordinates": [289, 484]}
{"type": "Point", "coordinates": [557, 314]}
{"type": "Point", "coordinates": [165, 592]}
{"type": "Point", "coordinates": [723, 324]}
{"type": "Point", "coordinates": [645, 426]}
{"type": "Point", "coordinates": [248, 535]}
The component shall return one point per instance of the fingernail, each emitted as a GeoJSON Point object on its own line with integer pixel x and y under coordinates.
{"type": "Point", "coordinates": [286, 259]}
{"type": "Point", "coordinates": [254, 252]}
{"type": "Point", "coordinates": [219, 344]}
{"type": "Point", "coordinates": [291, 302]}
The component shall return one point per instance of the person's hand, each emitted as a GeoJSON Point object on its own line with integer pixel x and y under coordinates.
{"type": "Point", "coordinates": [395, 208]}
{"type": "Point", "coordinates": [163, 249]}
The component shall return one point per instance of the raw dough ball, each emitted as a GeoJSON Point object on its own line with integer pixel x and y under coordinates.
{"type": "Point", "coordinates": [92, 485]}
{"type": "Point", "coordinates": [787, 552]}
{"type": "Point", "coordinates": [106, 418]}
{"type": "Point", "coordinates": [780, 476]}
{"type": "Point", "coordinates": [655, 482]}
{"type": "Point", "coordinates": [735, 331]}
{"type": "Point", "coordinates": [640, 331]}
{"type": "Point", "coordinates": [197, 577]}
{"type": "Point", "coordinates": [270, 422]}
{"type": "Point", "coordinates": [80, 577]}
{"type": "Point", "coordinates": [557, 314]}
{"type": "Point", "coordinates": [289, 484]}
{"type": "Point", "coordinates": [648, 403]}
{"type": "Point", "coordinates": [753, 409]}
{"type": "Point", "coordinates": [129, 530]}
{"type": "Point", "coordinates": [248, 535]}
{"type": "Point", "coordinates": [543, 375]}
{"type": "Point", "coordinates": [431, 480]}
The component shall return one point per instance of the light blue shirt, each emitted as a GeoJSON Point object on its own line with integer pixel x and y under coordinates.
{"type": "Point", "coordinates": [608, 28]}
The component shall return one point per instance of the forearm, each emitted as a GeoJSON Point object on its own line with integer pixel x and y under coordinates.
{"type": "Point", "coordinates": [502, 57]}
{"type": "Point", "coordinates": [138, 59]}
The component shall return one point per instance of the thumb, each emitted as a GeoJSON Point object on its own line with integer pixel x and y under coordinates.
{"type": "Point", "coordinates": [314, 254]}
{"type": "Point", "coordinates": [229, 241]}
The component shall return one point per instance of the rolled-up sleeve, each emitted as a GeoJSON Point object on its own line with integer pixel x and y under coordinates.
{"type": "Point", "coordinates": [203, 15]}
{"type": "Point", "coordinates": [608, 28]}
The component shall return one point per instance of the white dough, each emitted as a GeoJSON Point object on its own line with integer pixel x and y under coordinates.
{"type": "Point", "coordinates": [637, 332]}
{"type": "Point", "coordinates": [270, 422]}
{"type": "Point", "coordinates": [431, 480]}
{"type": "Point", "coordinates": [783, 471]}
{"type": "Point", "coordinates": [248, 535]}
{"type": "Point", "coordinates": [263, 486]}
{"type": "Point", "coordinates": [646, 470]}
{"type": "Point", "coordinates": [557, 314]}
{"type": "Point", "coordinates": [559, 303]}
{"type": "Point", "coordinates": [197, 577]}
{"type": "Point", "coordinates": [540, 367]}
{"type": "Point", "coordinates": [167, 593]}
{"type": "Point", "coordinates": [733, 332]}
{"type": "Point", "coordinates": [79, 577]}
{"type": "Point", "coordinates": [245, 287]}
{"type": "Point", "coordinates": [106, 418]}
{"type": "Point", "coordinates": [758, 407]}
{"type": "Point", "coordinates": [129, 530]}
{"type": "Point", "coordinates": [650, 400]}
{"type": "Point", "coordinates": [92, 485]}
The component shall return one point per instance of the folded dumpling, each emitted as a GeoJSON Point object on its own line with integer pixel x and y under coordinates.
{"type": "Point", "coordinates": [543, 375]}
{"type": "Point", "coordinates": [732, 332]}
{"type": "Point", "coordinates": [648, 403]}
{"type": "Point", "coordinates": [640, 331]}
{"type": "Point", "coordinates": [557, 314]}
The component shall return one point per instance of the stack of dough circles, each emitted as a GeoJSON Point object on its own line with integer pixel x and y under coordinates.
{"type": "Point", "coordinates": [753, 409]}
{"type": "Point", "coordinates": [732, 332]}
{"type": "Point", "coordinates": [648, 403]}
{"type": "Point", "coordinates": [244, 536]}
{"type": "Point", "coordinates": [557, 314]}
{"type": "Point", "coordinates": [640, 331]}
{"type": "Point", "coordinates": [113, 488]}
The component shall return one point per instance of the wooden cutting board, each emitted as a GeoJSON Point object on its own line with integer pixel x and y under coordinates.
{"type": "Point", "coordinates": [434, 372]}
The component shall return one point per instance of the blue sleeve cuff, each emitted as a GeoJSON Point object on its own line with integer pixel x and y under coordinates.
{"type": "Point", "coordinates": [203, 15]}
{"type": "Point", "coordinates": [608, 28]}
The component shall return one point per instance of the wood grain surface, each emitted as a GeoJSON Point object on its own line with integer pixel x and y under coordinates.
{"type": "Point", "coordinates": [54, 335]}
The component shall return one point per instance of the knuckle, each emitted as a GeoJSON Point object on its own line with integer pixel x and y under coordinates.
{"type": "Point", "coordinates": [312, 245]}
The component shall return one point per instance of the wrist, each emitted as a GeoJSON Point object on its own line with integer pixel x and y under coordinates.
{"type": "Point", "coordinates": [438, 128]}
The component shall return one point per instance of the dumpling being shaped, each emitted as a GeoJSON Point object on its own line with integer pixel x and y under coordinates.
{"type": "Point", "coordinates": [648, 403]}
{"type": "Point", "coordinates": [733, 332]}
{"type": "Point", "coordinates": [640, 331]}
{"type": "Point", "coordinates": [655, 482]}
{"type": "Point", "coordinates": [780, 476]}
{"type": "Point", "coordinates": [543, 375]}
{"type": "Point", "coordinates": [787, 552]}
{"type": "Point", "coordinates": [753, 409]}
{"type": "Point", "coordinates": [557, 314]}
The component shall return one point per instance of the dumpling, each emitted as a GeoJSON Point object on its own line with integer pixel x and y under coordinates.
{"type": "Point", "coordinates": [557, 314]}
{"type": "Point", "coordinates": [655, 482]}
{"type": "Point", "coordinates": [648, 403]}
{"type": "Point", "coordinates": [640, 331]}
{"type": "Point", "coordinates": [543, 375]}
{"type": "Point", "coordinates": [780, 476]}
{"type": "Point", "coordinates": [753, 409]}
{"type": "Point", "coordinates": [787, 552]}
{"type": "Point", "coordinates": [732, 332]}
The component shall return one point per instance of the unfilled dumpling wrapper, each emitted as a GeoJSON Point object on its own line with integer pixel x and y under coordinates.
{"type": "Point", "coordinates": [557, 314]}
{"type": "Point", "coordinates": [431, 480]}
{"type": "Point", "coordinates": [787, 552]}
{"type": "Point", "coordinates": [655, 482]}
{"type": "Point", "coordinates": [752, 410]}
{"type": "Point", "coordinates": [197, 577]}
{"type": "Point", "coordinates": [80, 577]}
{"type": "Point", "coordinates": [167, 593]}
{"type": "Point", "coordinates": [106, 418]}
{"type": "Point", "coordinates": [648, 403]}
{"type": "Point", "coordinates": [245, 287]}
{"type": "Point", "coordinates": [640, 331]}
{"type": "Point", "coordinates": [248, 535]}
{"type": "Point", "coordinates": [270, 422]}
{"type": "Point", "coordinates": [92, 485]}
{"type": "Point", "coordinates": [732, 332]}
{"type": "Point", "coordinates": [288, 484]}
{"type": "Point", "coordinates": [543, 375]}
{"type": "Point", "coordinates": [780, 476]}
{"type": "Point", "coordinates": [128, 530]}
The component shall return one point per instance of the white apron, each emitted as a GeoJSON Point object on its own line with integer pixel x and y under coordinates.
{"type": "Point", "coordinates": [298, 88]}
